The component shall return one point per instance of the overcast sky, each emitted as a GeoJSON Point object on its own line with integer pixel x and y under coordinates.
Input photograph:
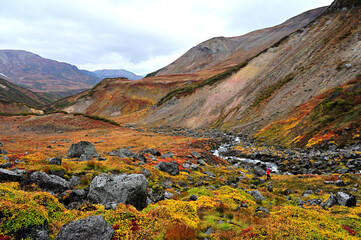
{"type": "Point", "coordinates": [138, 35]}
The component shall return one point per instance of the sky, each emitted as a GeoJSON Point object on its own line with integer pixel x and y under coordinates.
{"type": "Point", "coordinates": [137, 35]}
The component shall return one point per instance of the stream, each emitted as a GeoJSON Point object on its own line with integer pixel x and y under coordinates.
{"type": "Point", "coordinates": [241, 162]}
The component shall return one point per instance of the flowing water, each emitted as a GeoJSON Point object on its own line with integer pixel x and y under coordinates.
{"type": "Point", "coordinates": [225, 147]}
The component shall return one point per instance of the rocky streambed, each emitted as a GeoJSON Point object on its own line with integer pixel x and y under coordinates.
{"type": "Point", "coordinates": [245, 153]}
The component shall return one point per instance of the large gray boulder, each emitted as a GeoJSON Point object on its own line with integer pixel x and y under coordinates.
{"type": "Point", "coordinates": [257, 195]}
{"type": "Point", "coordinates": [91, 228]}
{"type": "Point", "coordinates": [330, 202]}
{"type": "Point", "coordinates": [84, 148]}
{"type": "Point", "coordinates": [110, 190]}
{"type": "Point", "coordinates": [51, 183]}
{"type": "Point", "coordinates": [169, 167]}
{"type": "Point", "coordinates": [122, 153]}
{"type": "Point", "coordinates": [40, 232]}
{"type": "Point", "coordinates": [346, 199]}
{"type": "Point", "coordinates": [9, 176]}
{"type": "Point", "coordinates": [258, 171]}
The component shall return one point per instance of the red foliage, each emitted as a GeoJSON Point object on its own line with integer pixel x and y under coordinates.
{"type": "Point", "coordinates": [116, 226]}
{"type": "Point", "coordinates": [349, 230]}
{"type": "Point", "coordinates": [180, 231]}
{"type": "Point", "coordinates": [14, 157]}
{"type": "Point", "coordinates": [134, 225]}
{"type": "Point", "coordinates": [248, 233]}
{"type": "Point", "coordinates": [3, 237]}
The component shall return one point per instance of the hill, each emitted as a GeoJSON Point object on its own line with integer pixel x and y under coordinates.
{"type": "Point", "coordinates": [42, 75]}
{"type": "Point", "coordinates": [18, 100]}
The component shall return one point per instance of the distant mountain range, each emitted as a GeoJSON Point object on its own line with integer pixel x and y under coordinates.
{"type": "Point", "coordinates": [113, 73]}
{"type": "Point", "coordinates": [39, 74]}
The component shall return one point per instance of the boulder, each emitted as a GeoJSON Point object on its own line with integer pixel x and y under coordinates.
{"type": "Point", "coordinates": [259, 171]}
{"type": "Point", "coordinates": [74, 181]}
{"type": "Point", "coordinates": [110, 190]}
{"type": "Point", "coordinates": [307, 193]}
{"type": "Point", "coordinates": [122, 153]}
{"type": "Point", "coordinates": [196, 155]}
{"type": "Point", "coordinates": [257, 195]}
{"type": "Point", "coordinates": [91, 228]}
{"type": "Point", "coordinates": [151, 151]}
{"type": "Point", "coordinates": [262, 209]}
{"type": "Point", "coordinates": [346, 199]}
{"type": "Point", "coordinates": [140, 157]}
{"type": "Point", "coordinates": [77, 195]}
{"type": "Point", "coordinates": [330, 202]}
{"type": "Point", "coordinates": [51, 183]}
{"type": "Point", "coordinates": [55, 161]}
{"type": "Point", "coordinates": [82, 148]}
{"type": "Point", "coordinates": [6, 165]}
{"type": "Point", "coordinates": [3, 151]}
{"type": "Point", "coordinates": [193, 197]}
{"type": "Point", "coordinates": [169, 167]}
{"type": "Point", "coordinates": [168, 155]}
{"type": "Point", "coordinates": [9, 176]}
{"type": "Point", "coordinates": [34, 232]}
{"type": "Point", "coordinates": [146, 172]}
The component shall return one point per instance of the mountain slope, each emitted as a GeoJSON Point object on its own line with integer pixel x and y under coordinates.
{"type": "Point", "coordinates": [42, 75]}
{"type": "Point", "coordinates": [107, 101]}
{"type": "Point", "coordinates": [321, 56]}
{"type": "Point", "coordinates": [217, 49]}
{"type": "Point", "coordinates": [15, 99]}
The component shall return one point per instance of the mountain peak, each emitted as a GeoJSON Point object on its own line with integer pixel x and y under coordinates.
{"type": "Point", "coordinates": [344, 4]}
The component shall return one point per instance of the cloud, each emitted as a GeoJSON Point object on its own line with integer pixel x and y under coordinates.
{"type": "Point", "coordinates": [138, 35]}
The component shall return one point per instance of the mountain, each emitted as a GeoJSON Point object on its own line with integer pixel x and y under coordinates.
{"type": "Point", "coordinates": [43, 75]}
{"type": "Point", "coordinates": [15, 99]}
{"type": "Point", "coordinates": [266, 94]}
{"type": "Point", "coordinates": [217, 49]}
{"type": "Point", "coordinates": [116, 73]}
{"type": "Point", "coordinates": [270, 95]}
{"type": "Point", "coordinates": [117, 97]}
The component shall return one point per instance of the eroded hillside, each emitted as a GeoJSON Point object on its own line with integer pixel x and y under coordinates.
{"type": "Point", "coordinates": [321, 56]}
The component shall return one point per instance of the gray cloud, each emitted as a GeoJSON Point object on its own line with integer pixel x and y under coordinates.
{"type": "Point", "coordinates": [138, 35]}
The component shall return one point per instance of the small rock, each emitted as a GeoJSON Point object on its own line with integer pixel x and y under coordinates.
{"type": "Point", "coordinates": [340, 183]}
{"type": "Point", "coordinates": [194, 167]}
{"type": "Point", "coordinates": [6, 165]}
{"type": "Point", "coordinates": [55, 161]}
{"type": "Point", "coordinates": [201, 162]}
{"type": "Point", "coordinates": [269, 188]}
{"type": "Point", "coordinates": [262, 209]}
{"type": "Point", "coordinates": [307, 193]}
{"type": "Point", "coordinates": [186, 165]}
{"type": "Point", "coordinates": [209, 231]}
{"type": "Point", "coordinates": [193, 197]}
{"type": "Point", "coordinates": [168, 195]}
{"type": "Point", "coordinates": [146, 172]}
{"type": "Point", "coordinates": [168, 155]}
{"type": "Point", "coordinates": [3, 151]}
{"type": "Point", "coordinates": [74, 181]}
{"type": "Point", "coordinates": [169, 167]}
{"type": "Point", "coordinates": [330, 202]}
{"type": "Point", "coordinates": [196, 155]}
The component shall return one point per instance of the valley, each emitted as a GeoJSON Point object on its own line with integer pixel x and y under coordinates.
{"type": "Point", "coordinates": [250, 137]}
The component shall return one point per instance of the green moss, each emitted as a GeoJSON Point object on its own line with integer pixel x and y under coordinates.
{"type": "Point", "coordinates": [272, 89]}
{"type": "Point", "coordinates": [200, 191]}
